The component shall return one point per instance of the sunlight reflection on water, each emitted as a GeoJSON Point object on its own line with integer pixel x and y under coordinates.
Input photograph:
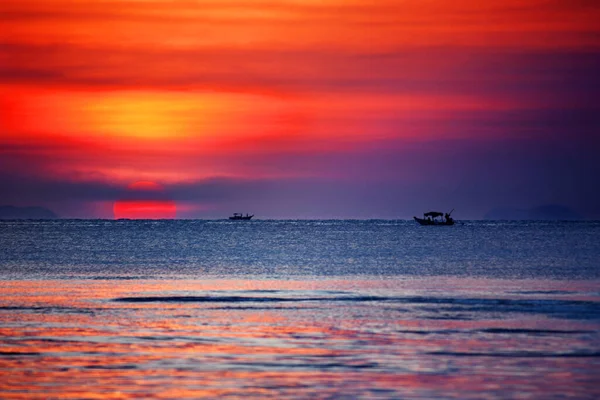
{"type": "Point", "coordinates": [393, 338]}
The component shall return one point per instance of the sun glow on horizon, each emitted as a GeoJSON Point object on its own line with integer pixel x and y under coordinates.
{"type": "Point", "coordinates": [145, 209]}
{"type": "Point", "coordinates": [145, 200]}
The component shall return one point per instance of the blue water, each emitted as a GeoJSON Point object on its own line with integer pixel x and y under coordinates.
{"type": "Point", "coordinates": [299, 309]}
{"type": "Point", "coordinates": [284, 249]}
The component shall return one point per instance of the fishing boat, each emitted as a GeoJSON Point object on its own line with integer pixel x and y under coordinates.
{"type": "Point", "coordinates": [435, 218]}
{"type": "Point", "coordinates": [241, 217]}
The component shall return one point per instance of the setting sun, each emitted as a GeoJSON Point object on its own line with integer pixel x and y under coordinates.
{"type": "Point", "coordinates": [145, 200]}
{"type": "Point", "coordinates": [144, 209]}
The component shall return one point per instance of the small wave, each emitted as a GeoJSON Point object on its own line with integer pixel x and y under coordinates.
{"type": "Point", "coordinates": [438, 307]}
{"type": "Point", "coordinates": [474, 303]}
{"type": "Point", "coordinates": [114, 278]}
{"type": "Point", "coordinates": [433, 332]}
{"type": "Point", "coordinates": [312, 366]}
{"type": "Point", "coordinates": [48, 310]}
{"type": "Point", "coordinates": [520, 354]}
{"type": "Point", "coordinates": [111, 367]}
{"type": "Point", "coordinates": [262, 308]}
{"type": "Point", "coordinates": [450, 317]}
{"type": "Point", "coordinates": [532, 331]}
{"type": "Point", "coordinates": [559, 292]}
{"type": "Point", "coordinates": [241, 299]}
{"type": "Point", "coordinates": [16, 353]}
{"type": "Point", "coordinates": [496, 331]}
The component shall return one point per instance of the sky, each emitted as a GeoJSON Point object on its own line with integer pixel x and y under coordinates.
{"type": "Point", "coordinates": [299, 108]}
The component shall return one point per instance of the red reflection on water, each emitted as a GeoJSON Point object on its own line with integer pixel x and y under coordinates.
{"type": "Point", "coordinates": [67, 339]}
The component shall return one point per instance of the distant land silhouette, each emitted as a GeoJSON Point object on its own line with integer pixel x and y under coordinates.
{"type": "Point", "coordinates": [12, 212]}
{"type": "Point", "coordinates": [544, 213]}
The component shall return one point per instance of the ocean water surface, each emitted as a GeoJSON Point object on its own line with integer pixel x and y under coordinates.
{"type": "Point", "coordinates": [299, 309]}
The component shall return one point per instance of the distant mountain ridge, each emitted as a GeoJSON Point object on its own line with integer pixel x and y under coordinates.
{"type": "Point", "coordinates": [550, 212]}
{"type": "Point", "coordinates": [13, 212]}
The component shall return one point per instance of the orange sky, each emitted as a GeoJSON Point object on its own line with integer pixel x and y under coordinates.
{"type": "Point", "coordinates": [120, 90]}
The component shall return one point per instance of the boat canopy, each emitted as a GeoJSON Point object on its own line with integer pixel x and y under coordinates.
{"type": "Point", "coordinates": [433, 214]}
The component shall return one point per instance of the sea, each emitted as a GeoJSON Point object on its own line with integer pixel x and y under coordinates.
{"type": "Point", "coordinates": [299, 309]}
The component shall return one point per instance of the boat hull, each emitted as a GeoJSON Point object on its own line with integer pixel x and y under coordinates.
{"type": "Point", "coordinates": [241, 218]}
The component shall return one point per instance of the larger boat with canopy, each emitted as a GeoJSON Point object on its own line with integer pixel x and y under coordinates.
{"type": "Point", "coordinates": [435, 218]}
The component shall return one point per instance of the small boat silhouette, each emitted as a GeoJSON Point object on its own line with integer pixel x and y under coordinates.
{"type": "Point", "coordinates": [241, 217]}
